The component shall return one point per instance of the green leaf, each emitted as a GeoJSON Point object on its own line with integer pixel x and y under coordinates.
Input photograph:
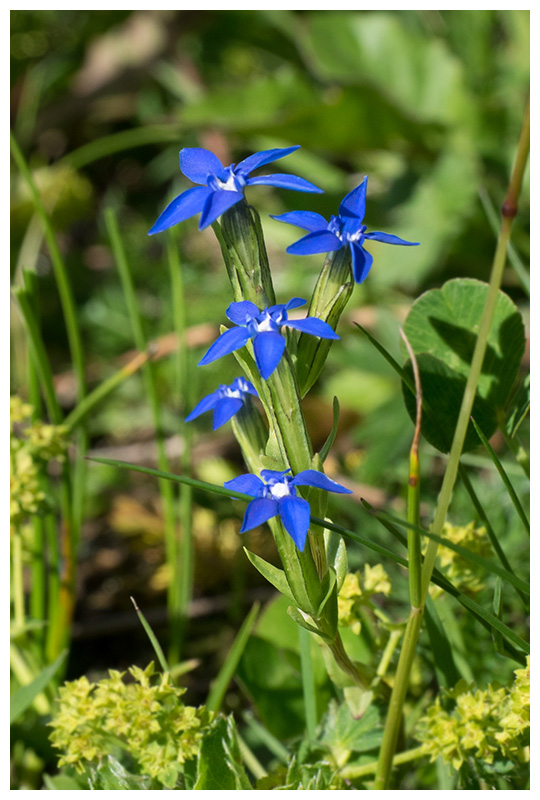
{"type": "Point", "coordinates": [336, 555]}
{"type": "Point", "coordinates": [447, 672]}
{"type": "Point", "coordinates": [219, 764]}
{"type": "Point", "coordinates": [296, 615]}
{"type": "Point", "coordinates": [273, 575]}
{"type": "Point", "coordinates": [227, 671]}
{"type": "Point", "coordinates": [24, 697]}
{"type": "Point", "coordinates": [343, 734]}
{"type": "Point", "coordinates": [442, 328]}
{"type": "Point", "coordinates": [426, 80]}
{"type": "Point", "coordinates": [62, 782]}
{"type": "Point", "coordinates": [111, 774]}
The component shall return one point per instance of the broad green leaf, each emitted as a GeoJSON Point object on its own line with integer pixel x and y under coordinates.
{"type": "Point", "coordinates": [24, 697]}
{"type": "Point", "coordinates": [111, 774]}
{"type": "Point", "coordinates": [442, 328]}
{"type": "Point", "coordinates": [62, 782]}
{"type": "Point", "coordinates": [442, 391]}
{"type": "Point", "coordinates": [219, 763]}
{"type": "Point", "coordinates": [426, 80]}
{"type": "Point", "coordinates": [435, 213]}
{"type": "Point", "coordinates": [343, 734]}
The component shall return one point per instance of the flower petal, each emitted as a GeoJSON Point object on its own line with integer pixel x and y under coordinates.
{"type": "Point", "coordinates": [206, 404]}
{"type": "Point", "coordinates": [247, 483]}
{"type": "Point", "coordinates": [264, 157]}
{"type": "Point", "coordinates": [197, 163]}
{"type": "Point", "coordinates": [229, 341]}
{"type": "Point", "coordinates": [240, 313]}
{"type": "Point", "coordinates": [225, 409]}
{"type": "Point", "coordinates": [295, 514]}
{"type": "Point", "coordinates": [242, 385]}
{"type": "Point", "coordinates": [354, 204]}
{"type": "Point", "coordinates": [268, 347]}
{"type": "Point", "coordinates": [295, 302]}
{"type": "Point", "coordinates": [317, 242]}
{"type": "Point", "coordinates": [388, 238]}
{"type": "Point", "coordinates": [308, 220]}
{"type": "Point", "coordinates": [361, 262]}
{"type": "Point", "coordinates": [311, 477]}
{"type": "Point", "coordinates": [273, 474]}
{"type": "Point", "coordinates": [283, 181]}
{"type": "Point", "coordinates": [314, 326]}
{"type": "Point", "coordinates": [217, 204]}
{"type": "Point", "coordinates": [258, 511]}
{"type": "Point", "coordinates": [183, 207]}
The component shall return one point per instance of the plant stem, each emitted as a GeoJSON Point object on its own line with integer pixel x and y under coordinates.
{"type": "Point", "coordinates": [412, 631]}
{"type": "Point", "coordinates": [166, 490]}
{"type": "Point", "coordinates": [351, 773]}
{"type": "Point", "coordinates": [185, 551]}
{"type": "Point", "coordinates": [308, 682]}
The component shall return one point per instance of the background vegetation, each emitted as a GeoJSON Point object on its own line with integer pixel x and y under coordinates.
{"type": "Point", "coordinates": [429, 105]}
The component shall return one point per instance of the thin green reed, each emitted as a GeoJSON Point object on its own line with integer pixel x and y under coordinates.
{"type": "Point", "coordinates": [412, 632]}
{"type": "Point", "coordinates": [182, 578]}
{"type": "Point", "coordinates": [166, 490]}
{"type": "Point", "coordinates": [72, 328]}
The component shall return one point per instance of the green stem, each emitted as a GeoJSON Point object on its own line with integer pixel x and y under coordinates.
{"type": "Point", "coordinates": [104, 389]}
{"type": "Point", "coordinates": [166, 490]}
{"type": "Point", "coordinates": [412, 632]}
{"type": "Point", "coordinates": [60, 272]}
{"type": "Point", "coordinates": [18, 579]}
{"type": "Point", "coordinates": [308, 681]}
{"type": "Point", "coordinates": [185, 553]}
{"type": "Point", "coordinates": [352, 773]}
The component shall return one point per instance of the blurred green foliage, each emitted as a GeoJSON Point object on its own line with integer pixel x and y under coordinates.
{"type": "Point", "coordinates": [427, 103]}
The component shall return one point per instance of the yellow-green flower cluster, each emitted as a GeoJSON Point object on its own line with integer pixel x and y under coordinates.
{"type": "Point", "coordinates": [488, 724]}
{"type": "Point", "coordinates": [32, 444]}
{"type": "Point", "coordinates": [463, 573]}
{"type": "Point", "coordinates": [356, 593]}
{"type": "Point", "coordinates": [145, 719]}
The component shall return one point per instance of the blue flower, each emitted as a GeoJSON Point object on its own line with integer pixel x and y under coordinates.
{"type": "Point", "coordinates": [226, 402]}
{"type": "Point", "coordinates": [264, 328]}
{"type": "Point", "coordinates": [345, 230]}
{"type": "Point", "coordinates": [276, 494]}
{"type": "Point", "coordinates": [222, 187]}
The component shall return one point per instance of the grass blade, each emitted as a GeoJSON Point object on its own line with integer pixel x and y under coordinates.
{"type": "Point", "coordinates": [505, 479]}
{"type": "Point", "coordinates": [308, 681]}
{"type": "Point", "coordinates": [24, 697]}
{"type": "Point", "coordinates": [153, 638]}
{"type": "Point", "coordinates": [226, 673]}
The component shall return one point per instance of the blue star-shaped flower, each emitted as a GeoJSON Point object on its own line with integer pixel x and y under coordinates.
{"type": "Point", "coordinates": [345, 230]}
{"type": "Point", "coordinates": [276, 494]}
{"type": "Point", "coordinates": [264, 328]}
{"type": "Point", "coordinates": [226, 402]}
{"type": "Point", "coordinates": [222, 187]}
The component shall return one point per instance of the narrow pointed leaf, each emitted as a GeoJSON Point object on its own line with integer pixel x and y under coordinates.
{"type": "Point", "coordinates": [273, 575]}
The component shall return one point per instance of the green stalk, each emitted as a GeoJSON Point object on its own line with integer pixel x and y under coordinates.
{"type": "Point", "coordinates": [352, 773]}
{"type": "Point", "coordinates": [166, 490]}
{"type": "Point", "coordinates": [60, 272]}
{"type": "Point", "coordinates": [308, 682]}
{"type": "Point", "coordinates": [509, 211]}
{"type": "Point", "coordinates": [184, 568]}
{"type": "Point", "coordinates": [414, 543]}
{"type": "Point", "coordinates": [72, 328]}
{"type": "Point", "coordinates": [18, 579]}
{"type": "Point", "coordinates": [104, 389]}
{"type": "Point", "coordinates": [152, 636]}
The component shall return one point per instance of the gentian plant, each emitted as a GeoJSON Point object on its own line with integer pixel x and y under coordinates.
{"type": "Point", "coordinates": [345, 230]}
{"type": "Point", "coordinates": [222, 187]}
{"type": "Point", "coordinates": [275, 494]}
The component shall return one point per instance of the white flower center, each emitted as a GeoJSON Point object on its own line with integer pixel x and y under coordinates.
{"type": "Point", "coordinates": [233, 393]}
{"type": "Point", "coordinates": [229, 185]}
{"type": "Point", "coordinates": [266, 325]}
{"type": "Point", "coordinates": [279, 490]}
